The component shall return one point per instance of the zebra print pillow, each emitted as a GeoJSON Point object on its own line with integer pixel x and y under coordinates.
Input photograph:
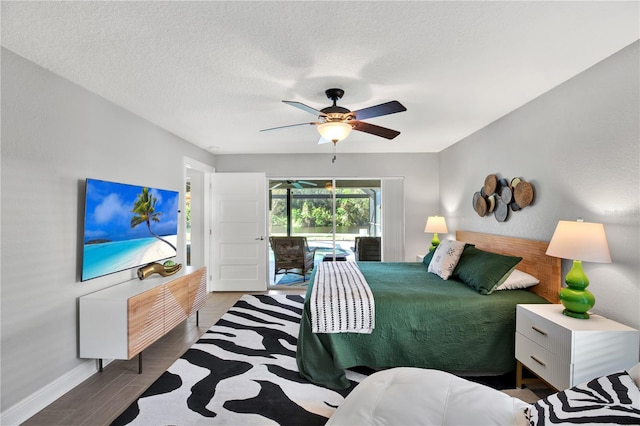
{"type": "Point", "coordinates": [613, 399]}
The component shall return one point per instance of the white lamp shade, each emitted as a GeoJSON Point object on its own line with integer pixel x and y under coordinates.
{"type": "Point", "coordinates": [436, 224]}
{"type": "Point", "coordinates": [584, 241]}
{"type": "Point", "coordinates": [334, 131]}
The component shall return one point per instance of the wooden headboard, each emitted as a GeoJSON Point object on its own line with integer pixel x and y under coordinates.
{"type": "Point", "coordinates": [534, 260]}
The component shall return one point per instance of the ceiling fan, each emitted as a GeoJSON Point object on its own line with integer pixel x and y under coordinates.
{"type": "Point", "coordinates": [335, 122]}
{"type": "Point", "coordinates": [298, 184]}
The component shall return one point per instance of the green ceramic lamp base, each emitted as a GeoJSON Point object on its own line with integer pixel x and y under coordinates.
{"type": "Point", "coordinates": [575, 298]}
{"type": "Point", "coordinates": [435, 242]}
{"type": "Point", "coordinates": [578, 315]}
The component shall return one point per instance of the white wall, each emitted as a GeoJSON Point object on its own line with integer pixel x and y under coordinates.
{"type": "Point", "coordinates": [420, 173]}
{"type": "Point", "coordinates": [578, 145]}
{"type": "Point", "coordinates": [54, 135]}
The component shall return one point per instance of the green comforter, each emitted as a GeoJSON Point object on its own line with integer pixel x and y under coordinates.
{"type": "Point", "coordinates": [420, 321]}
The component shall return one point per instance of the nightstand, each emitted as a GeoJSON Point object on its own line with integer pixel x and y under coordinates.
{"type": "Point", "coordinates": [565, 351]}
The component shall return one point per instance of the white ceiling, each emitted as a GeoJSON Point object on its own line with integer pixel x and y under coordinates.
{"type": "Point", "coordinates": [214, 72]}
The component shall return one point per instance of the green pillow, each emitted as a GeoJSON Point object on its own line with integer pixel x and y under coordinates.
{"type": "Point", "coordinates": [426, 260]}
{"type": "Point", "coordinates": [484, 271]}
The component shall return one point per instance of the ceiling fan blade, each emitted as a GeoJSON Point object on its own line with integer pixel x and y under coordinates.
{"type": "Point", "coordinates": [306, 182]}
{"type": "Point", "coordinates": [304, 107]}
{"type": "Point", "coordinates": [289, 125]}
{"type": "Point", "coordinates": [276, 185]}
{"type": "Point", "coordinates": [296, 185]}
{"type": "Point", "coordinates": [374, 130]}
{"type": "Point", "coordinates": [376, 111]}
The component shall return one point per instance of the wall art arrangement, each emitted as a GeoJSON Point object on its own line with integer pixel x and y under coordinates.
{"type": "Point", "coordinates": [498, 196]}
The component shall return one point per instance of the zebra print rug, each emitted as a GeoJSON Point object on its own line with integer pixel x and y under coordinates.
{"type": "Point", "coordinates": [242, 371]}
{"type": "Point", "coordinates": [610, 400]}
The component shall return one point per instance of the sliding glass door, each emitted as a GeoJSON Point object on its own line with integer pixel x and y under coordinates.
{"type": "Point", "coordinates": [330, 213]}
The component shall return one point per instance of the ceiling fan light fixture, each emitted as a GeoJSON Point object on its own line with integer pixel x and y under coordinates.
{"type": "Point", "coordinates": [334, 131]}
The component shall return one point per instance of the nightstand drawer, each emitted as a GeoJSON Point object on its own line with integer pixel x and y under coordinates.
{"type": "Point", "coordinates": [555, 370]}
{"type": "Point", "coordinates": [546, 333]}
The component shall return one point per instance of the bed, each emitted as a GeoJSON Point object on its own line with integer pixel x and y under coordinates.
{"type": "Point", "coordinates": [424, 321]}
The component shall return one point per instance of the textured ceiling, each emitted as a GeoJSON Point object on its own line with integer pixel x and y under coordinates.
{"type": "Point", "coordinates": [214, 72]}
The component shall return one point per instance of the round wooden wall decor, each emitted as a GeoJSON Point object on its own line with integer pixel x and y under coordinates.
{"type": "Point", "coordinates": [490, 184]}
{"type": "Point", "coordinates": [481, 206]}
{"type": "Point", "coordinates": [497, 196]}
{"type": "Point", "coordinates": [523, 194]}
{"type": "Point", "coordinates": [474, 202]}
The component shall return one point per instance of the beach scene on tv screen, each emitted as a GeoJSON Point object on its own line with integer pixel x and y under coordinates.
{"type": "Point", "coordinates": [127, 226]}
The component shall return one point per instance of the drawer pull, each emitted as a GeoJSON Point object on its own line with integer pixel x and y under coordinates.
{"type": "Point", "coordinates": [544, 333]}
{"type": "Point", "coordinates": [538, 361]}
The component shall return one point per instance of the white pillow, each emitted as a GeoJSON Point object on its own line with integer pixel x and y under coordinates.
{"type": "Point", "coordinates": [446, 258]}
{"type": "Point", "coordinates": [518, 279]}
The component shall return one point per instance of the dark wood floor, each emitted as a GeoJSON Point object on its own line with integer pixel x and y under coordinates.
{"type": "Point", "coordinates": [102, 397]}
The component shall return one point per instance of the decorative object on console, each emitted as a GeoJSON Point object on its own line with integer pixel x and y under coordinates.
{"type": "Point", "coordinates": [580, 241]}
{"type": "Point", "coordinates": [497, 196]}
{"type": "Point", "coordinates": [435, 224]}
{"type": "Point", "coordinates": [166, 269]}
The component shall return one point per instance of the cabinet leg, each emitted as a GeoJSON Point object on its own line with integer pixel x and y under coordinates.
{"type": "Point", "coordinates": [140, 363]}
{"type": "Point", "coordinates": [518, 375]}
{"type": "Point", "coordinates": [197, 318]}
{"type": "Point", "coordinates": [100, 365]}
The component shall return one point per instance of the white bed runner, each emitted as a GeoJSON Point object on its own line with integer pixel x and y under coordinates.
{"type": "Point", "coordinates": [341, 300]}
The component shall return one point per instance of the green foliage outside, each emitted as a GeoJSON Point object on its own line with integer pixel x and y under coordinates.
{"type": "Point", "coordinates": [317, 212]}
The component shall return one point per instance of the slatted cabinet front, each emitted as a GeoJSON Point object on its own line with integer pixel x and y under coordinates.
{"type": "Point", "coordinates": [121, 321]}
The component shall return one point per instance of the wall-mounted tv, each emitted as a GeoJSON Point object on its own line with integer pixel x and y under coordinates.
{"type": "Point", "coordinates": [127, 226]}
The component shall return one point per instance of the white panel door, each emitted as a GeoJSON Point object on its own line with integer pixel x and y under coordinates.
{"type": "Point", "coordinates": [238, 232]}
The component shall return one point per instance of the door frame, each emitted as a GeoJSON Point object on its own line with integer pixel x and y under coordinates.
{"type": "Point", "coordinates": [190, 163]}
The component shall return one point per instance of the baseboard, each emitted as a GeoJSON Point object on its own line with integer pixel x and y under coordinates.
{"type": "Point", "coordinates": [37, 401]}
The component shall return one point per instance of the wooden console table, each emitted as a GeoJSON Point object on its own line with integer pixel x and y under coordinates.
{"type": "Point", "coordinates": [119, 322]}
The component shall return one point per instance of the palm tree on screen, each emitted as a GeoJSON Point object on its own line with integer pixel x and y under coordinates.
{"type": "Point", "coordinates": [145, 212]}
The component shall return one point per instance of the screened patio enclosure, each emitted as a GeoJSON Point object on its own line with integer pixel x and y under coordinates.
{"type": "Point", "coordinates": [330, 213]}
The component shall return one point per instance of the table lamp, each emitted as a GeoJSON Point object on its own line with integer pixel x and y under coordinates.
{"type": "Point", "coordinates": [435, 224]}
{"type": "Point", "coordinates": [580, 241]}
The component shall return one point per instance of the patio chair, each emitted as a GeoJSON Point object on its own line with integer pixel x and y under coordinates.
{"type": "Point", "coordinates": [292, 255]}
{"type": "Point", "coordinates": [368, 248]}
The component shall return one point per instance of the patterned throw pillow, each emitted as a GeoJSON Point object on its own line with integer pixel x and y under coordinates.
{"type": "Point", "coordinates": [446, 258]}
{"type": "Point", "coordinates": [612, 399]}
